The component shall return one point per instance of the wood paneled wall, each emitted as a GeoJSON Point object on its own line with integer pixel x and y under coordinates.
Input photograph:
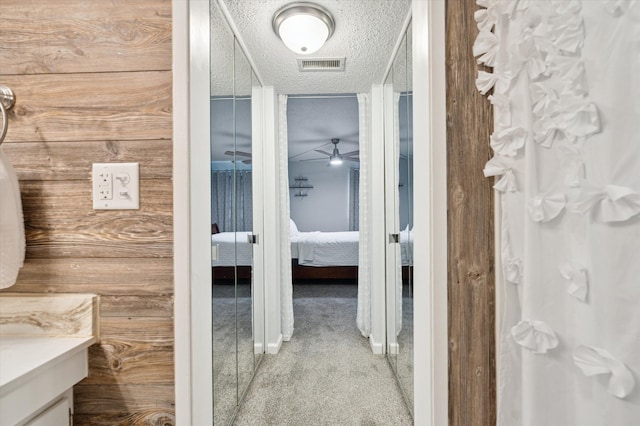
{"type": "Point", "coordinates": [92, 80]}
{"type": "Point", "coordinates": [471, 281]}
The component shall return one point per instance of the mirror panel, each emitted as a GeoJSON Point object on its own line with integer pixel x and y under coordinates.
{"type": "Point", "coordinates": [225, 381]}
{"type": "Point", "coordinates": [242, 207]}
{"type": "Point", "coordinates": [405, 336]}
{"type": "Point", "coordinates": [232, 83]}
{"type": "Point", "coordinates": [398, 101]}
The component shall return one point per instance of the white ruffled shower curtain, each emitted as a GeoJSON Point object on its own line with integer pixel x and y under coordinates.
{"type": "Point", "coordinates": [566, 96]}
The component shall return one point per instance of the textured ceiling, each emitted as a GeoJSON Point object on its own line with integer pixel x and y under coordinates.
{"type": "Point", "coordinates": [366, 33]}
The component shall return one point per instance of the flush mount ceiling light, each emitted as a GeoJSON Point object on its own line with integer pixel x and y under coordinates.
{"type": "Point", "coordinates": [303, 27]}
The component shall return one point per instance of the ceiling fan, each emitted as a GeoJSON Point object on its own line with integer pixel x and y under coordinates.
{"type": "Point", "coordinates": [240, 154]}
{"type": "Point", "coordinates": [335, 158]}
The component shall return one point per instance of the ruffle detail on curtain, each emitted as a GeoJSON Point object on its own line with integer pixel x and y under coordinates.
{"type": "Point", "coordinates": [513, 270]}
{"type": "Point", "coordinates": [544, 99]}
{"type": "Point", "coordinates": [594, 361]}
{"type": "Point", "coordinates": [548, 130]}
{"type": "Point", "coordinates": [612, 203]}
{"type": "Point", "coordinates": [582, 120]}
{"type": "Point", "coordinates": [546, 207]}
{"type": "Point", "coordinates": [568, 36]}
{"type": "Point", "coordinates": [501, 166]}
{"type": "Point", "coordinates": [485, 48]}
{"type": "Point", "coordinates": [577, 277]}
{"type": "Point", "coordinates": [486, 81]}
{"type": "Point", "coordinates": [573, 166]}
{"type": "Point", "coordinates": [564, 7]}
{"type": "Point", "coordinates": [563, 119]}
{"type": "Point", "coordinates": [616, 7]}
{"type": "Point", "coordinates": [508, 141]}
{"type": "Point", "coordinates": [532, 57]}
{"type": "Point", "coordinates": [571, 71]}
{"type": "Point", "coordinates": [502, 107]}
{"type": "Point", "coordinates": [536, 336]}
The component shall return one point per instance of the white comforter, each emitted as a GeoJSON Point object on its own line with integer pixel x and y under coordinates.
{"type": "Point", "coordinates": [310, 248]}
{"type": "Point", "coordinates": [325, 248]}
{"type": "Point", "coordinates": [230, 253]}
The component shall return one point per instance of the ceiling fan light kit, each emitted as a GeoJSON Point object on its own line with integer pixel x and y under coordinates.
{"type": "Point", "coordinates": [303, 27]}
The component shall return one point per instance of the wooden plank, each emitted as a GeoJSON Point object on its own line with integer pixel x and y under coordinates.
{"type": "Point", "coordinates": [123, 362]}
{"type": "Point", "coordinates": [83, 107]}
{"type": "Point", "coordinates": [124, 405]}
{"type": "Point", "coordinates": [471, 281]}
{"type": "Point", "coordinates": [155, 330]}
{"type": "Point", "coordinates": [85, 36]}
{"type": "Point", "coordinates": [73, 160]}
{"type": "Point", "coordinates": [133, 350]}
{"type": "Point", "coordinates": [142, 306]}
{"type": "Point", "coordinates": [60, 221]}
{"type": "Point", "coordinates": [113, 276]}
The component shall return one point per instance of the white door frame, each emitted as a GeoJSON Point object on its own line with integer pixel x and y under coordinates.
{"type": "Point", "coordinates": [430, 214]}
{"type": "Point", "coordinates": [192, 323]}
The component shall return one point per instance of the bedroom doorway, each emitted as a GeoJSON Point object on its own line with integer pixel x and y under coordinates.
{"type": "Point", "coordinates": [431, 223]}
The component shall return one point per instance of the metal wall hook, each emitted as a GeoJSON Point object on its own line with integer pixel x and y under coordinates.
{"type": "Point", "coordinates": [7, 100]}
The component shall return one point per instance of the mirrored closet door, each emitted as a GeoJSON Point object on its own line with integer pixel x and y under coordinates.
{"type": "Point", "coordinates": [398, 104]}
{"type": "Point", "coordinates": [232, 217]}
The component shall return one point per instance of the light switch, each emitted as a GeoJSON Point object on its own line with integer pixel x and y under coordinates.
{"type": "Point", "coordinates": [116, 186]}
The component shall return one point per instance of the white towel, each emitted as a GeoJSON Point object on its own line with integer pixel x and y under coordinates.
{"type": "Point", "coordinates": [12, 241]}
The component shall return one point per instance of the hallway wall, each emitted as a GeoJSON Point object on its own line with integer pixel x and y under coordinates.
{"type": "Point", "coordinates": [93, 84]}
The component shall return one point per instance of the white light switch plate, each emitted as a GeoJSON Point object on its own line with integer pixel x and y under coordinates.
{"type": "Point", "coordinates": [116, 186]}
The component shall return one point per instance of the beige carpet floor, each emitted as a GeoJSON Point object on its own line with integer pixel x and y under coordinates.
{"type": "Point", "coordinates": [326, 374]}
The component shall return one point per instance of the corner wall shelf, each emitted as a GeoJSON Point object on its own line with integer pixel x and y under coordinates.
{"type": "Point", "coordinates": [301, 185]}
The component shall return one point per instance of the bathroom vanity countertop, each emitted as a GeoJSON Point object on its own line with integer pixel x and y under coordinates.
{"type": "Point", "coordinates": [23, 356]}
{"type": "Point", "coordinates": [36, 370]}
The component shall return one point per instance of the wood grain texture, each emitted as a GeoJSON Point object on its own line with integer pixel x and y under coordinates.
{"type": "Point", "coordinates": [73, 160]}
{"type": "Point", "coordinates": [471, 277]}
{"type": "Point", "coordinates": [133, 350]}
{"type": "Point", "coordinates": [113, 276]}
{"type": "Point", "coordinates": [49, 315]}
{"type": "Point", "coordinates": [60, 222]}
{"type": "Point", "coordinates": [143, 306]}
{"type": "Point", "coordinates": [83, 107]}
{"type": "Point", "coordinates": [84, 36]}
{"type": "Point", "coordinates": [124, 405]}
{"type": "Point", "coordinates": [93, 83]}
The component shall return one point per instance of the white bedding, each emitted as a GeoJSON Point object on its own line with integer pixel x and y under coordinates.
{"type": "Point", "coordinates": [310, 248]}
{"type": "Point", "coordinates": [229, 251]}
{"type": "Point", "coordinates": [325, 248]}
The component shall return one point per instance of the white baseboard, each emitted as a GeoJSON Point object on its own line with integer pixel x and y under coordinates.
{"type": "Point", "coordinates": [376, 348]}
{"type": "Point", "coordinates": [274, 348]}
{"type": "Point", "coordinates": [258, 348]}
{"type": "Point", "coordinates": [394, 349]}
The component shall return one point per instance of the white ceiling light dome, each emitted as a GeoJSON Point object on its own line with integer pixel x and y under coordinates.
{"type": "Point", "coordinates": [303, 27]}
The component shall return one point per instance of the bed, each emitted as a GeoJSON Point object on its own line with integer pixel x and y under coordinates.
{"type": "Point", "coordinates": [314, 255]}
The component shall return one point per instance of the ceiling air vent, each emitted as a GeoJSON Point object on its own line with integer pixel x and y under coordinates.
{"type": "Point", "coordinates": [321, 64]}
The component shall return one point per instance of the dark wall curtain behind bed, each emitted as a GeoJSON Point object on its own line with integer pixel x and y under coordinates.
{"type": "Point", "coordinates": [223, 199]}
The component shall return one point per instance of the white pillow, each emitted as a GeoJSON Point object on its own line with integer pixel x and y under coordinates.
{"type": "Point", "coordinates": [293, 229]}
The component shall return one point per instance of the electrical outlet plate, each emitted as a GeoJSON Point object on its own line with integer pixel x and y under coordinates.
{"type": "Point", "coordinates": [116, 186]}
